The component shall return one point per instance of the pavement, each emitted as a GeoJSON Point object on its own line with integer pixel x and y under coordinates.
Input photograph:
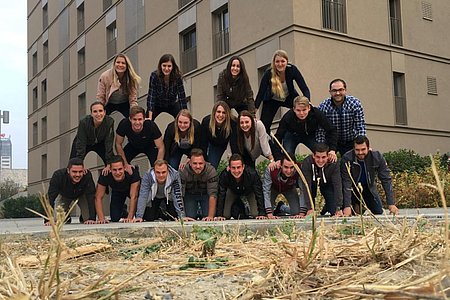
{"type": "Point", "coordinates": [35, 226]}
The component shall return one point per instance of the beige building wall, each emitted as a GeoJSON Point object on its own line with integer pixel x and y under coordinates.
{"type": "Point", "coordinates": [363, 56]}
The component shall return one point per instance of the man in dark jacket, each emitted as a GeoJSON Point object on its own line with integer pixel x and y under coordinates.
{"type": "Point", "coordinates": [300, 125]}
{"type": "Point", "coordinates": [320, 172]}
{"type": "Point", "coordinates": [199, 181]}
{"type": "Point", "coordinates": [363, 165]}
{"type": "Point", "coordinates": [240, 187]}
{"type": "Point", "coordinates": [72, 183]}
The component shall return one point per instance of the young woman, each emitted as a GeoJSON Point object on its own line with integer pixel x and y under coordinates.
{"type": "Point", "coordinates": [165, 89]}
{"type": "Point", "coordinates": [180, 137]}
{"type": "Point", "coordinates": [117, 87]}
{"type": "Point", "coordinates": [277, 87]}
{"type": "Point", "coordinates": [234, 88]}
{"type": "Point", "coordinates": [252, 140]}
{"type": "Point", "coordinates": [216, 132]}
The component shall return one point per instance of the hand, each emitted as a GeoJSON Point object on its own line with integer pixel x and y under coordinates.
{"type": "Point", "coordinates": [272, 166]}
{"type": "Point", "coordinates": [106, 170]}
{"type": "Point", "coordinates": [126, 220]}
{"type": "Point", "coordinates": [208, 219]}
{"type": "Point", "coordinates": [338, 213]}
{"type": "Point", "coordinates": [261, 217]}
{"type": "Point", "coordinates": [393, 209]}
{"type": "Point", "coordinates": [85, 171]}
{"type": "Point", "coordinates": [299, 216]}
{"type": "Point", "coordinates": [219, 219]}
{"type": "Point", "coordinates": [47, 223]}
{"type": "Point", "coordinates": [150, 115]}
{"type": "Point", "coordinates": [347, 211]}
{"type": "Point", "coordinates": [89, 222]}
{"type": "Point", "coordinates": [183, 164]}
{"type": "Point", "coordinates": [309, 212]}
{"type": "Point", "coordinates": [188, 219]}
{"type": "Point", "coordinates": [102, 221]}
{"type": "Point", "coordinates": [332, 156]}
{"type": "Point", "coordinates": [271, 216]}
{"type": "Point", "coordinates": [137, 220]}
{"type": "Point", "coordinates": [129, 168]}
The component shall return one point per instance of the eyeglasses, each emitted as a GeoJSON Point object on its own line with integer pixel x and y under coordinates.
{"type": "Point", "coordinates": [338, 90]}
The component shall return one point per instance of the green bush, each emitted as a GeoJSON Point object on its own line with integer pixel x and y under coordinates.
{"type": "Point", "coordinates": [405, 160]}
{"type": "Point", "coordinates": [16, 208]}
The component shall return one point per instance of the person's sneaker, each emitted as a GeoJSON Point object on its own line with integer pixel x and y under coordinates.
{"type": "Point", "coordinates": [68, 220]}
{"type": "Point", "coordinates": [281, 210]}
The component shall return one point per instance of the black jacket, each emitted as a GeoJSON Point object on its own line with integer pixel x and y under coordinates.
{"type": "Point", "coordinates": [169, 139]}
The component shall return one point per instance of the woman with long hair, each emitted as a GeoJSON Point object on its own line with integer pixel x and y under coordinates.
{"type": "Point", "coordinates": [117, 87]}
{"type": "Point", "coordinates": [216, 132]}
{"type": "Point", "coordinates": [180, 137]}
{"type": "Point", "coordinates": [252, 140]}
{"type": "Point", "coordinates": [166, 89]}
{"type": "Point", "coordinates": [233, 86]}
{"type": "Point", "coordinates": [277, 87]}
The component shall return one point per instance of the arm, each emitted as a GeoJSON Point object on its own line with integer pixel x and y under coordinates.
{"type": "Point", "coordinates": [151, 95]}
{"type": "Point", "coordinates": [281, 131]}
{"type": "Point", "coordinates": [177, 196]}
{"type": "Point", "coordinates": [263, 139]}
{"type": "Point", "coordinates": [101, 89]}
{"type": "Point", "coordinates": [81, 139]}
{"type": "Point", "coordinates": [90, 196]}
{"type": "Point", "coordinates": [257, 189]}
{"type": "Point", "coordinates": [211, 187]}
{"type": "Point", "coordinates": [337, 185]}
{"type": "Point", "coordinates": [53, 188]}
{"type": "Point", "coordinates": [100, 192]}
{"type": "Point", "coordinates": [264, 88]}
{"type": "Point", "coordinates": [181, 94]}
{"type": "Point", "coordinates": [360, 123]}
{"type": "Point", "coordinates": [168, 140]}
{"type": "Point", "coordinates": [144, 193]}
{"type": "Point", "coordinates": [222, 193]}
{"type": "Point", "coordinates": [132, 97]}
{"type": "Point", "coordinates": [221, 96]}
{"type": "Point", "coordinates": [307, 172]}
{"type": "Point", "coordinates": [384, 174]}
{"type": "Point", "coordinates": [346, 182]}
{"type": "Point", "coordinates": [159, 143]}
{"type": "Point", "coordinates": [298, 77]}
{"type": "Point", "coordinates": [250, 101]}
{"type": "Point", "coordinates": [267, 186]}
{"type": "Point", "coordinates": [331, 135]}
{"type": "Point", "coordinates": [109, 140]}
{"type": "Point", "coordinates": [134, 192]}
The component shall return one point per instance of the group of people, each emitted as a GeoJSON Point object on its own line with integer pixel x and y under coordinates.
{"type": "Point", "coordinates": [191, 189]}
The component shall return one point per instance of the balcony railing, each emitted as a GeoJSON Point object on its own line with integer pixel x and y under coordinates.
{"type": "Point", "coordinates": [400, 111]}
{"type": "Point", "coordinates": [111, 48]}
{"type": "Point", "coordinates": [189, 59]}
{"type": "Point", "coordinates": [396, 31]}
{"type": "Point", "coordinates": [333, 14]}
{"type": "Point", "coordinates": [221, 43]}
{"type": "Point", "coordinates": [182, 3]}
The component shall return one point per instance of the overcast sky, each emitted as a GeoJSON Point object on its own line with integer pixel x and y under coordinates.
{"type": "Point", "coordinates": [13, 77]}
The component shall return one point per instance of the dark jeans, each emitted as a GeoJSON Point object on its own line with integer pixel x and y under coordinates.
{"type": "Point", "coordinates": [175, 157]}
{"type": "Point", "coordinates": [172, 110]}
{"type": "Point", "coordinates": [291, 140]}
{"type": "Point", "coordinates": [374, 204]}
{"type": "Point", "coordinates": [269, 111]}
{"type": "Point", "coordinates": [131, 152]}
{"type": "Point", "coordinates": [192, 204]}
{"type": "Point", "coordinates": [327, 191]}
{"type": "Point", "coordinates": [116, 210]}
{"type": "Point", "coordinates": [291, 196]}
{"type": "Point", "coordinates": [241, 210]}
{"type": "Point", "coordinates": [160, 209]}
{"type": "Point", "coordinates": [344, 147]}
{"type": "Point", "coordinates": [123, 108]}
{"type": "Point", "coordinates": [98, 148]}
{"type": "Point", "coordinates": [215, 154]}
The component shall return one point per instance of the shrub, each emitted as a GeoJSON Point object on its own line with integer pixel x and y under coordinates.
{"type": "Point", "coordinates": [404, 160]}
{"type": "Point", "coordinates": [16, 208]}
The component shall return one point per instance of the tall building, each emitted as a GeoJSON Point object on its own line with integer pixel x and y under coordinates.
{"type": "Point", "coordinates": [5, 153]}
{"type": "Point", "coordinates": [394, 55]}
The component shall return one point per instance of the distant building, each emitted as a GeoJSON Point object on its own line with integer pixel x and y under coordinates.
{"type": "Point", "coordinates": [5, 153]}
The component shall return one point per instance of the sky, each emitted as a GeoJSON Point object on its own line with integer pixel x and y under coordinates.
{"type": "Point", "coordinates": [13, 77]}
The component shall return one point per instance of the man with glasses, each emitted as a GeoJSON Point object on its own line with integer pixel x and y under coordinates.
{"type": "Point", "coordinates": [346, 113]}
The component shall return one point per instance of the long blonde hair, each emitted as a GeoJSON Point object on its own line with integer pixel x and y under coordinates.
{"type": "Point", "coordinates": [277, 87]}
{"type": "Point", "coordinates": [227, 122]}
{"type": "Point", "coordinates": [131, 79]}
{"type": "Point", "coordinates": [191, 132]}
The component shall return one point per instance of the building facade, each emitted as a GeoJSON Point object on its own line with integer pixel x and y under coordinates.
{"type": "Point", "coordinates": [394, 55]}
{"type": "Point", "coordinates": [5, 153]}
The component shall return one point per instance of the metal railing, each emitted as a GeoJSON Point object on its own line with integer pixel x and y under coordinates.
{"type": "Point", "coordinates": [189, 59]}
{"type": "Point", "coordinates": [396, 31]}
{"type": "Point", "coordinates": [111, 48]}
{"type": "Point", "coordinates": [334, 16]}
{"type": "Point", "coordinates": [400, 111]}
{"type": "Point", "coordinates": [182, 3]}
{"type": "Point", "coordinates": [221, 43]}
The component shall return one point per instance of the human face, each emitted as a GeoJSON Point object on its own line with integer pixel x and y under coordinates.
{"type": "Point", "coordinates": [338, 92]}
{"type": "Point", "coordinates": [280, 63]}
{"type": "Point", "coordinates": [183, 123]}
{"type": "Point", "coordinates": [166, 68]}
{"type": "Point", "coordinates": [120, 65]}
{"type": "Point", "coordinates": [98, 113]}
{"type": "Point", "coordinates": [302, 111]}
{"type": "Point", "coordinates": [76, 173]}
{"type": "Point", "coordinates": [245, 123]}
{"type": "Point", "coordinates": [118, 171]}
{"type": "Point", "coordinates": [287, 168]}
{"type": "Point", "coordinates": [137, 122]}
{"type": "Point", "coordinates": [361, 150]}
{"type": "Point", "coordinates": [320, 158]}
{"type": "Point", "coordinates": [161, 173]}
{"type": "Point", "coordinates": [235, 68]}
{"type": "Point", "coordinates": [236, 168]}
{"type": "Point", "coordinates": [220, 115]}
{"type": "Point", "coordinates": [197, 164]}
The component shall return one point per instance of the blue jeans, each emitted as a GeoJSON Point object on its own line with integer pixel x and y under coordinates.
{"type": "Point", "coordinates": [116, 210]}
{"type": "Point", "coordinates": [373, 203]}
{"type": "Point", "coordinates": [215, 154]}
{"type": "Point", "coordinates": [175, 157]}
{"type": "Point", "coordinates": [291, 140]}
{"type": "Point", "coordinates": [192, 203]}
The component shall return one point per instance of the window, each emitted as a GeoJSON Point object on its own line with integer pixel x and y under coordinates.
{"type": "Point", "coordinates": [189, 50]}
{"type": "Point", "coordinates": [81, 63]}
{"type": "Point", "coordinates": [35, 98]}
{"type": "Point", "coordinates": [106, 4]}
{"type": "Point", "coordinates": [81, 105]}
{"type": "Point", "coordinates": [182, 3]}
{"type": "Point", "coordinates": [44, 166]}
{"type": "Point", "coordinates": [80, 18]}
{"type": "Point", "coordinates": [111, 37]}
{"type": "Point", "coordinates": [221, 33]}
{"type": "Point", "coordinates": [334, 16]}
{"type": "Point", "coordinates": [43, 129]}
{"type": "Point", "coordinates": [396, 22]}
{"type": "Point", "coordinates": [35, 133]}
{"type": "Point", "coordinates": [45, 53]}
{"type": "Point", "coordinates": [44, 91]}
{"type": "Point", "coordinates": [427, 13]}
{"type": "Point", "coordinates": [45, 16]}
{"type": "Point", "coordinates": [34, 62]}
{"type": "Point", "coordinates": [400, 99]}
{"type": "Point", "coordinates": [432, 85]}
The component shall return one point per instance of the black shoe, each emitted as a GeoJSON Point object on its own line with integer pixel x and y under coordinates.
{"type": "Point", "coordinates": [277, 210]}
{"type": "Point", "coordinates": [68, 220]}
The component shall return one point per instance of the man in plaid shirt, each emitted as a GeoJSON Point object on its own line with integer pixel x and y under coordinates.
{"type": "Point", "coordinates": [345, 112]}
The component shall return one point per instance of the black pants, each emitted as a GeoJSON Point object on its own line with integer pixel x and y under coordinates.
{"type": "Point", "coordinates": [131, 152]}
{"type": "Point", "coordinates": [173, 110]}
{"type": "Point", "coordinates": [98, 148]}
{"type": "Point", "coordinates": [328, 194]}
{"type": "Point", "coordinates": [123, 108]}
{"type": "Point", "coordinates": [116, 207]}
{"type": "Point", "coordinates": [374, 204]}
{"type": "Point", "coordinates": [160, 209]}
{"type": "Point", "coordinates": [269, 111]}
{"type": "Point", "coordinates": [344, 147]}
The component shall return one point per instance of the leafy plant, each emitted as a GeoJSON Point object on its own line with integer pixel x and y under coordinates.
{"type": "Point", "coordinates": [16, 208]}
{"type": "Point", "coordinates": [204, 263]}
{"type": "Point", "coordinates": [209, 237]}
{"type": "Point", "coordinates": [406, 160]}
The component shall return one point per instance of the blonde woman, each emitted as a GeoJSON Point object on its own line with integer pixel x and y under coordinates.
{"type": "Point", "coordinates": [117, 87]}
{"type": "Point", "coordinates": [180, 137]}
{"type": "Point", "coordinates": [277, 87]}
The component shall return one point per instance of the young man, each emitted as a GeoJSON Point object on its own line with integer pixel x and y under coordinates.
{"type": "Point", "coordinates": [320, 172]}
{"type": "Point", "coordinates": [72, 183]}
{"type": "Point", "coordinates": [346, 113]}
{"type": "Point", "coordinates": [122, 185]}
{"type": "Point", "coordinates": [363, 165]}
{"type": "Point", "coordinates": [143, 135]}
{"type": "Point", "coordinates": [160, 187]}
{"type": "Point", "coordinates": [300, 125]}
{"type": "Point", "coordinates": [199, 181]}
{"type": "Point", "coordinates": [285, 181]}
{"type": "Point", "coordinates": [240, 187]}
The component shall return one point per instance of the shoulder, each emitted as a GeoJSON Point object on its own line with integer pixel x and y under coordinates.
{"type": "Point", "coordinates": [196, 123]}
{"type": "Point", "coordinates": [348, 156]}
{"type": "Point", "coordinates": [109, 120]}
{"type": "Point", "coordinates": [206, 119]}
{"type": "Point", "coordinates": [351, 100]}
{"type": "Point", "coordinates": [325, 104]}
{"type": "Point", "coordinates": [170, 126]}
{"type": "Point", "coordinates": [106, 75]}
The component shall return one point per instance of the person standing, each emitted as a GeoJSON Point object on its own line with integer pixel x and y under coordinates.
{"type": "Point", "coordinates": [117, 87]}
{"type": "Point", "coordinates": [276, 88]}
{"type": "Point", "coordinates": [166, 89]}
